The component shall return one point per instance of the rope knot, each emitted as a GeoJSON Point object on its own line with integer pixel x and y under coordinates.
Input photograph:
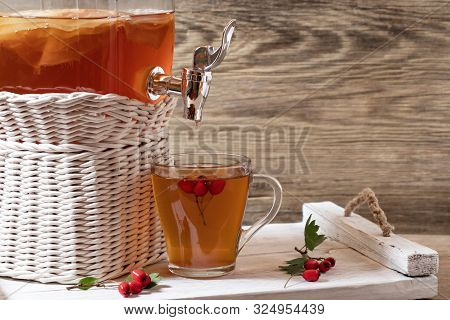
{"type": "Point", "coordinates": [368, 196]}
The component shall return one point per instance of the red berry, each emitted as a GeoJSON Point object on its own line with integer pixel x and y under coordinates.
{"type": "Point", "coordinates": [138, 275]}
{"type": "Point", "coordinates": [186, 185]}
{"type": "Point", "coordinates": [216, 186]}
{"type": "Point", "coordinates": [324, 266]}
{"type": "Point", "coordinates": [146, 282]}
{"type": "Point", "coordinates": [200, 188]}
{"type": "Point", "coordinates": [135, 287]}
{"type": "Point", "coordinates": [311, 275]}
{"type": "Point", "coordinates": [311, 264]}
{"type": "Point", "coordinates": [124, 289]}
{"type": "Point", "coordinates": [332, 261]}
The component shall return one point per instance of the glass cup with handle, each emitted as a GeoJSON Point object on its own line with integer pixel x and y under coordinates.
{"type": "Point", "coordinates": [201, 200]}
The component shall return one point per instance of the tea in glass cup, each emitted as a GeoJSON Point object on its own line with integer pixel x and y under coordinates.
{"type": "Point", "coordinates": [201, 200]}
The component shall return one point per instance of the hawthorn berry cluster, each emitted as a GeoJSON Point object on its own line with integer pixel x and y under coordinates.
{"type": "Point", "coordinates": [140, 280]}
{"type": "Point", "coordinates": [201, 186]}
{"type": "Point", "coordinates": [313, 268]}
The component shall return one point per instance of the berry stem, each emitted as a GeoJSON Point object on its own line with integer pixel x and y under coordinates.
{"type": "Point", "coordinates": [287, 281]}
{"type": "Point", "coordinates": [98, 285]}
{"type": "Point", "coordinates": [205, 206]}
{"type": "Point", "coordinates": [200, 210]}
{"type": "Point", "coordinates": [73, 287]}
{"type": "Point", "coordinates": [301, 251]}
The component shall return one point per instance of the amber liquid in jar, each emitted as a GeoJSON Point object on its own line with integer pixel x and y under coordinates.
{"type": "Point", "coordinates": [84, 50]}
{"type": "Point", "coordinates": [201, 231]}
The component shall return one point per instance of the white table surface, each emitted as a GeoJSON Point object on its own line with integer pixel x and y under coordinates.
{"type": "Point", "coordinates": [257, 277]}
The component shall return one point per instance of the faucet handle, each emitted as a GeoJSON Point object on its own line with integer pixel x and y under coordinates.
{"type": "Point", "coordinates": [207, 58]}
{"type": "Point", "coordinates": [194, 84]}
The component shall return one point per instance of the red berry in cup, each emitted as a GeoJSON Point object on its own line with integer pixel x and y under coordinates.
{"type": "Point", "coordinates": [124, 289]}
{"type": "Point", "coordinates": [324, 266]}
{"type": "Point", "coordinates": [332, 261]}
{"type": "Point", "coordinates": [200, 188]}
{"type": "Point", "coordinates": [135, 287]}
{"type": "Point", "coordinates": [216, 186]}
{"type": "Point", "coordinates": [311, 264]}
{"type": "Point", "coordinates": [311, 275]}
{"type": "Point", "coordinates": [138, 275]}
{"type": "Point", "coordinates": [146, 282]}
{"type": "Point", "coordinates": [186, 185]}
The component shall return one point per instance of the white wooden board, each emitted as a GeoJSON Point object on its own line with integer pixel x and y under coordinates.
{"type": "Point", "coordinates": [356, 232]}
{"type": "Point", "coordinates": [257, 277]}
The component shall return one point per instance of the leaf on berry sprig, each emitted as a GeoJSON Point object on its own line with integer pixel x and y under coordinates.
{"type": "Point", "coordinates": [128, 278]}
{"type": "Point", "coordinates": [87, 283]}
{"type": "Point", "coordinates": [156, 278]}
{"type": "Point", "coordinates": [312, 238]}
{"type": "Point", "coordinates": [295, 267]}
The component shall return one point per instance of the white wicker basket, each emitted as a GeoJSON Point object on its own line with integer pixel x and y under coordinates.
{"type": "Point", "coordinates": [75, 190]}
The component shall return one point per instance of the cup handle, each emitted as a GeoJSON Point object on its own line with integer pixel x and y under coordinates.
{"type": "Point", "coordinates": [247, 234]}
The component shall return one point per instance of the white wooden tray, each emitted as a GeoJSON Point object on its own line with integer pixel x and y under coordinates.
{"type": "Point", "coordinates": [257, 277]}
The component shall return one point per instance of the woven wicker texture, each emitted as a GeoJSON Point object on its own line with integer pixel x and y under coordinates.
{"type": "Point", "coordinates": [75, 190]}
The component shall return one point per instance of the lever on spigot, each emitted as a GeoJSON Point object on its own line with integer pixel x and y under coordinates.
{"type": "Point", "coordinates": [194, 84]}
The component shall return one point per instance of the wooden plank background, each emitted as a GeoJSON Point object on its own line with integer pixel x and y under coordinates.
{"type": "Point", "coordinates": [365, 84]}
{"type": "Point", "coordinates": [330, 97]}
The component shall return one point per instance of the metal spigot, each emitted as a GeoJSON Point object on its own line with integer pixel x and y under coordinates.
{"type": "Point", "coordinates": [194, 84]}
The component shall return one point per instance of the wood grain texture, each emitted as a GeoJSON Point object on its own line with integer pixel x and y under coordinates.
{"type": "Point", "coordinates": [365, 82]}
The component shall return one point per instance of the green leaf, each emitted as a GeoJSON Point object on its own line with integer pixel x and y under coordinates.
{"type": "Point", "coordinates": [151, 285]}
{"type": "Point", "coordinates": [296, 261]}
{"type": "Point", "coordinates": [128, 278]}
{"type": "Point", "coordinates": [87, 283]}
{"type": "Point", "coordinates": [294, 267]}
{"type": "Point", "coordinates": [312, 238]}
{"type": "Point", "coordinates": [156, 278]}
